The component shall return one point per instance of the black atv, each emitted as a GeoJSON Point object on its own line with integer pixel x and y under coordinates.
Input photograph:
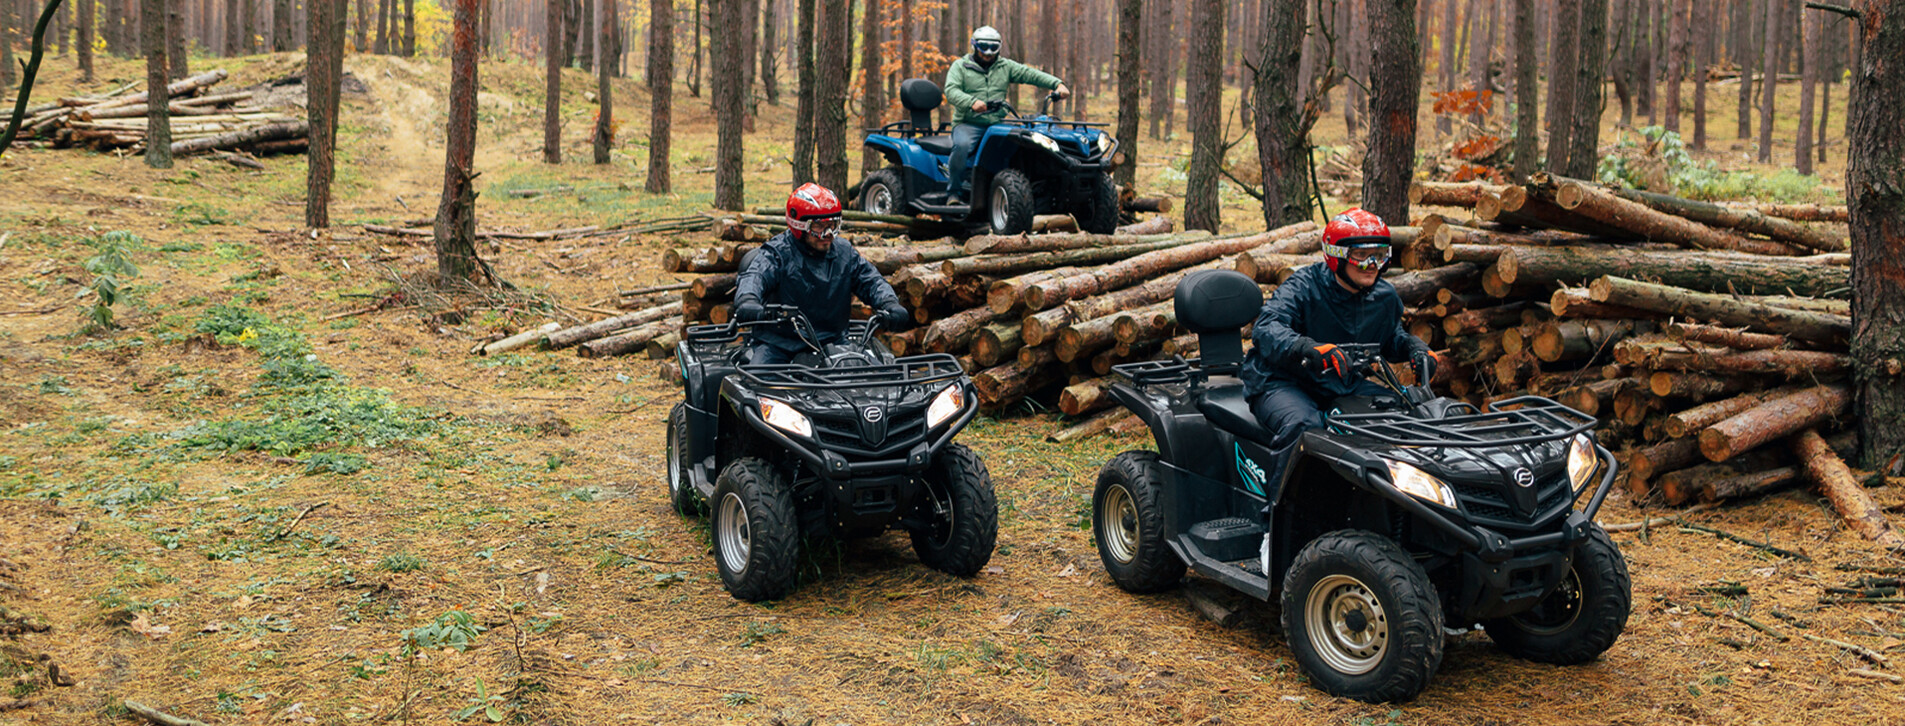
{"type": "Point", "coordinates": [1405, 514]}
{"type": "Point", "coordinates": [847, 441]}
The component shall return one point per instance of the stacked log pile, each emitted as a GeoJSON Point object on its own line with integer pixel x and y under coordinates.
{"type": "Point", "coordinates": [1709, 339]}
{"type": "Point", "coordinates": [201, 121]}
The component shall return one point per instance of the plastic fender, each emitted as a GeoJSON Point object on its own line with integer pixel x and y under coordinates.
{"type": "Point", "coordinates": [909, 155]}
{"type": "Point", "coordinates": [998, 146]}
{"type": "Point", "coordinates": [1155, 414]}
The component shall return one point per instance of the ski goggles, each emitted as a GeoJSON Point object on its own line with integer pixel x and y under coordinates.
{"type": "Point", "coordinates": [1366, 256]}
{"type": "Point", "coordinates": [988, 47]}
{"type": "Point", "coordinates": [822, 227]}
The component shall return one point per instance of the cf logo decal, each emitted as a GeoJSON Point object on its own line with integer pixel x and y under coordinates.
{"type": "Point", "coordinates": [872, 414]}
{"type": "Point", "coordinates": [1524, 477]}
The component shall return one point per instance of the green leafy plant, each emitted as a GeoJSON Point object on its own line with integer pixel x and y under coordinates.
{"type": "Point", "coordinates": [401, 562]}
{"type": "Point", "coordinates": [1655, 159]}
{"type": "Point", "coordinates": [111, 266]}
{"type": "Point", "coordinates": [759, 631]}
{"type": "Point", "coordinates": [488, 703]}
{"type": "Point", "coordinates": [454, 629]}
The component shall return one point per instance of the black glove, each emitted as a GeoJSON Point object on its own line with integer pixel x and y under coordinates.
{"type": "Point", "coordinates": [749, 309]}
{"type": "Point", "coordinates": [1424, 362]}
{"type": "Point", "coordinates": [895, 318]}
{"type": "Point", "coordinates": [1320, 358]}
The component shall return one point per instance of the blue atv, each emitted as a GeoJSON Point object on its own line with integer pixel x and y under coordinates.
{"type": "Point", "coordinates": [1021, 167]}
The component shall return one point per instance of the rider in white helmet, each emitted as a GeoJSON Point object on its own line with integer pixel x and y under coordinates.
{"type": "Point", "coordinates": [973, 81]}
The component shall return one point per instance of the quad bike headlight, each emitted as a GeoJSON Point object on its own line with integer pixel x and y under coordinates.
{"type": "Point", "coordinates": [1102, 143]}
{"type": "Point", "coordinates": [1045, 142]}
{"type": "Point", "coordinates": [944, 405]}
{"type": "Point", "coordinates": [1419, 484]}
{"type": "Point", "coordinates": [780, 415]}
{"type": "Point", "coordinates": [1581, 461]}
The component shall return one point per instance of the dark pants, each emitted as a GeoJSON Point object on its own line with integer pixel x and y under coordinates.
{"type": "Point", "coordinates": [763, 354]}
{"type": "Point", "coordinates": [1287, 411]}
{"type": "Point", "coordinates": [964, 137]}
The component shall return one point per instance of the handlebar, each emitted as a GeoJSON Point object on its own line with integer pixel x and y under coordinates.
{"type": "Point", "coordinates": [1365, 359]}
{"type": "Point", "coordinates": [778, 313]}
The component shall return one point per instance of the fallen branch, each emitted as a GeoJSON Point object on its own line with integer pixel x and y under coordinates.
{"type": "Point", "coordinates": [1686, 526]}
{"type": "Point", "coordinates": [300, 518]}
{"type": "Point", "coordinates": [159, 717]}
{"type": "Point", "coordinates": [1853, 648]}
{"type": "Point", "coordinates": [1875, 675]}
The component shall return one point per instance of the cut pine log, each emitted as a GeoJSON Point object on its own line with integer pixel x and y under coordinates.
{"type": "Point", "coordinates": [1771, 420]}
{"type": "Point", "coordinates": [1417, 285]}
{"type": "Point", "coordinates": [953, 334]}
{"type": "Point", "coordinates": [1644, 464]}
{"type": "Point", "coordinates": [1699, 387]}
{"type": "Point", "coordinates": [1151, 322]}
{"type": "Point", "coordinates": [1443, 194]}
{"type": "Point", "coordinates": [1594, 396]}
{"type": "Point", "coordinates": [1835, 481]}
{"type": "Point", "coordinates": [1746, 485]}
{"type": "Point", "coordinates": [627, 342]}
{"type": "Point", "coordinates": [1045, 295]}
{"type": "Point", "coordinates": [1471, 322]}
{"type": "Point", "coordinates": [1156, 225]}
{"type": "Point", "coordinates": [1701, 271]}
{"type": "Point", "coordinates": [1084, 338]}
{"type": "Point", "coordinates": [1006, 295]}
{"type": "Point", "coordinates": [1085, 397]}
{"type": "Point", "coordinates": [1013, 264]}
{"type": "Point", "coordinates": [889, 260]}
{"type": "Point", "coordinates": [712, 286]}
{"type": "Point", "coordinates": [1027, 243]}
{"type": "Point", "coordinates": [1567, 340]}
{"type": "Point", "coordinates": [1640, 220]}
{"type": "Point", "coordinates": [1100, 423]}
{"type": "Point", "coordinates": [583, 333]}
{"type": "Point", "coordinates": [1797, 212]}
{"type": "Point", "coordinates": [1519, 207]}
{"type": "Point", "coordinates": [1750, 221]}
{"type": "Point", "coordinates": [1788, 363]}
{"type": "Point", "coordinates": [1575, 302]}
{"type": "Point", "coordinates": [242, 137]}
{"type": "Point", "coordinates": [1804, 325]}
{"type": "Point", "coordinates": [1271, 268]}
{"type": "Point", "coordinates": [997, 343]}
{"type": "Point", "coordinates": [1003, 385]}
{"type": "Point", "coordinates": [1691, 421]}
{"type": "Point", "coordinates": [1726, 337]}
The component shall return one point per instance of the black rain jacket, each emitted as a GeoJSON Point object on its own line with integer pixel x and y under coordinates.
{"type": "Point", "coordinates": [821, 285]}
{"type": "Point", "coordinates": [1310, 304]}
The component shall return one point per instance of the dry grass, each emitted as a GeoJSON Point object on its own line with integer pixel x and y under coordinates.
{"type": "Point", "coordinates": [525, 490]}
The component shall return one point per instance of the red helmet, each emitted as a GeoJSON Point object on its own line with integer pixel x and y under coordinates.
{"type": "Point", "coordinates": [810, 203]}
{"type": "Point", "coordinates": [1356, 238]}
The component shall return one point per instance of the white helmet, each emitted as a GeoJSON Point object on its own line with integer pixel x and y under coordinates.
{"type": "Point", "coordinates": [986, 43]}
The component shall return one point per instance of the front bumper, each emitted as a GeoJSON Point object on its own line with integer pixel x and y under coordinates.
{"type": "Point", "coordinates": [1485, 544]}
{"type": "Point", "coordinates": [832, 465]}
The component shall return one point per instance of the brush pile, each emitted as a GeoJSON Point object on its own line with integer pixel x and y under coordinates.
{"type": "Point", "coordinates": [1711, 339]}
{"type": "Point", "coordinates": [201, 121]}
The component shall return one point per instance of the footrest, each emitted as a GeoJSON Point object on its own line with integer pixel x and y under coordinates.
{"type": "Point", "coordinates": [1231, 538]}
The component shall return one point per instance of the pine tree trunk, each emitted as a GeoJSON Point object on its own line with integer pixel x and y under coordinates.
{"type": "Point", "coordinates": [1355, 53]}
{"type": "Point", "coordinates": [1676, 60]}
{"type": "Point", "coordinates": [770, 80]}
{"type": "Point", "coordinates": [1443, 123]}
{"type": "Point", "coordinates": [604, 136]}
{"type": "Point", "coordinates": [830, 95]}
{"type": "Point", "coordinates": [176, 33]}
{"type": "Point", "coordinates": [158, 122]}
{"type": "Point", "coordinates": [410, 28]}
{"type": "Point", "coordinates": [694, 61]}
{"type": "Point", "coordinates": [804, 102]}
{"type": "Point", "coordinates": [585, 34]}
{"type": "Point", "coordinates": [384, 18]}
{"type": "Point", "coordinates": [1130, 60]}
{"type": "Point", "coordinates": [362, 26]}
{"type": "Point", "coordinates": [661, 63]}
{"type": "Point", "coordinates": [1562, 82]}
{"type": "Point", "coordinates": [1203, 89]}
{"type": "Point", "coordinates": [1703, 59]}
{"type": "Point", "coordinates": [872, 102]}
{"type": "Point", "coordinates": [1584, 155]}
{"type": "Point", "coordinates": [85, 40]}
{"type": "Point", "coordinates": [1744, 17]}
{"type": "Point", "coordinates": [1395, 81]}
{"type": "Point", "coordinates": [281, 40]}
{"type": "Point", "coordinates": [1769, 70]}
{"type": "Point", "coordinates": [1875, 192]}
{"type": "Point", "coordinates": [552, 82]}
{"type": "Point", "coordinates": [1810, 58]}
{"type": "Point", "coordinates": [324, 70]}
{"type": "Point", "coordinates": [457, 261]}
{"type": "Point", "coordinates": [750, 11]}
{"type": "Point", "coordinates": [1527, 127]}
{"type": "Point", "coordinates": [729, 189]}
{"type": "Point", "coordinates": [1283, 120]}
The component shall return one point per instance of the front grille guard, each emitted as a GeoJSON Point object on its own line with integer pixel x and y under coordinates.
{"type": "Point", "coordinates": [911, 370]}
{"type": "Point", "coordinates": [1531, 420]}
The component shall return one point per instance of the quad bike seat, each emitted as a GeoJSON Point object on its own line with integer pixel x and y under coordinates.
{"type": "Point", "coordinates": [1226, 408]}
{"type": "Point", "coordinates": [920, 96]}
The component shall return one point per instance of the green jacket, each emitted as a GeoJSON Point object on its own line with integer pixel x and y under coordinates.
{"type": "Point", "coordinates": [967, 81]}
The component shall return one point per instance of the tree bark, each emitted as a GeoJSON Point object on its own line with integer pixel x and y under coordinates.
{"type": "Point", "coordinates": [729, 186]}
{"type": "Point", "coordinates": [1203, 69]}
{"type": "Point", "coordinates": [1051, 293]}
{"type": "Point", "coordinates": [1130, 60]}
{"type": "Point", "coordinates": [604, 136]}
{"type": "Point", "coordinates": [1676, 59]}
{"type": "Point", "coordinates": [158, 118]}
{"type": "Point", "coordinates": [1799, 324]}
{"type": "Point", "coordinates": [324, 70]}
{"type": "Point", "coordinates": [661, 91]}
{"type": "Point", "coordinates": [1691, 421]}
{"type": "Point", "coordinates": [1703, 58]}
{"type": "Point", "coordinates": [1609, 209]}
{"type": "Point", "coordinates": [1745, 220]}
{"type": "Point", "coordinates": [552, 82]}
{"type": "Point", "coordinates": [1003, 385]}
{"type": "Point", "coordinates": [1875, 192]}
{"type": "Point", "coordinates": [281, 40]}
{"type": "Point", "coordinates": [770, 61]}
{"type": "Point", "coordinates": [1564, 61]}
{"type": "Point", "coordinates": [1395, 80]}
{"type": "Point", "coordinates": [1810, 58]}
{"type": "Point", "coordinates": [1567, 340]}
{"type": "Point", "coordinates": [1283, 119]}
{"type": "Point", "coordinates": [804, 102]}
{"type": "Point", "coordinates": [830, 96]}
{"type": "Point", "coordinates": [176, 35]}
{"type": "Point", "coordinates": [568, 337]}
{"type": "Point", "coordinates": [1835, 480]}
{"type": "Point", "coordinates": [1584, 155]}
{"type": "Point", "coordinates": [385, 19]}
{"type": "Point", "coordinates": [410, 28]}
{"type": "Point", "coordinates": [997, 342]}
{"type": "Point", "coordinates": [1745, 20]}
{"type": "Point", "coordinates": [1527, 128]}
{"type": "Point", "coordinates": [872, 100]}
{"type": "Point", "coordinates": [85, 41]}
{"type": "Point", "coordinates": [457, 260]}
{"type": "Point", "coordinates": [1769, 70]}
{"type": "Point", "coordinates": [1725, 337]}
{"type": "Point", "coordinates": [694, 59]}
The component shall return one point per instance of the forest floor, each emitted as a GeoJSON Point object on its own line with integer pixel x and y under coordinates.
{"type": "Point", "coordinates": [243, 504]}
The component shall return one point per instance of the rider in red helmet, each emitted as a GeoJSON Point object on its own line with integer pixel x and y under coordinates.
{"type": "Point", "coordinates": [1294, 370]}
{"type": "Point", "coordinates": [809, 267]}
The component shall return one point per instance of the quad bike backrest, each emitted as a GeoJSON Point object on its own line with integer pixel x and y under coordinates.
{"type": "Point", "coordinates": [920, 97]}
{"type": "Point", "coordinates": [1214, 304]}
